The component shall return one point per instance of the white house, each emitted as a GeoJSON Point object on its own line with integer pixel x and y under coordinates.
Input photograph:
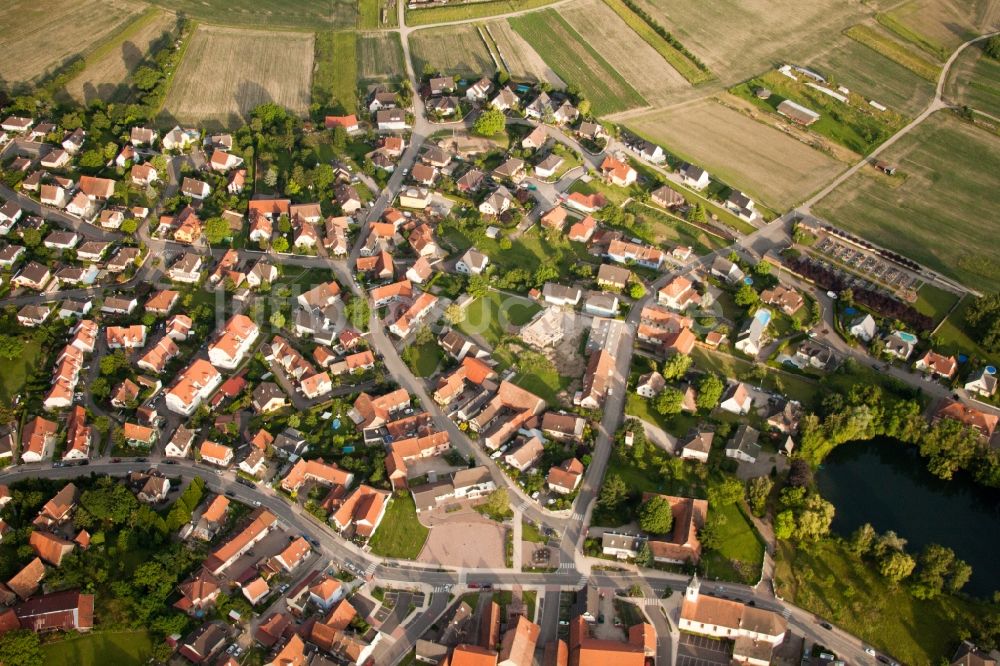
{"type": "Point", "coordinates": [738, 399]}
{"type": "Point", "coordinates": [864, 328]}
{"type": "Point", "coordinates": [473, 262]}
{"type": "Point", "coordinates": [694, 177]}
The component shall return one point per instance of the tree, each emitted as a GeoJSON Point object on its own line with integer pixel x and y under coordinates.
{"type": "Point", "coordinates": [277, 319]}
{"type": "Point", "coordinates": [728, 492]}
{"type": "Point", "coordinates": [896, 566]}
{"type": "Point", "coordinates": [455, 314]}
{"type": "Point", "coordinates": [636, 291]}
{"type": "Point", "coordinates": [216, 230]}
{"type": "Point", "coordinates": [644, 557]}
{"type": "Point", "coordinates": [710, 389]}
{"type": "Point", "coordinates": [280, 244]}
{"type": "Point", "coordinates": [763, 267]}
{"type": "Point", "coordinates": [800, 473]}
{"type": "Point", "coordinates": [669, 401]}
{"type": "Point", "coordinates": [11, 346]}
{"type": "Point", "coordinates": [358, 312]}
{"type": "Point", "coordinates": [656, 516]}
{"type": "Point", "coordinates": [32, 238]}
{"type": "Point", "coordinates": [583, 106]}
{"type": "Point", "coordinates": [758, 490]}
{"type": "Point", "coordinates": [862, 540]}
{"type": "Point", "coordinates": [20, 648]}
{"type": "Point", "coordinates": [746, 296]}
{"type": "Point", "coordinates": [696, 213]}
{"type": "Point", "coordinates": [497, 503]}
{"type": "Point", "coordinates": [478, 286]}
{"type": "Point", "coordinates": [939, 569]}
{"type": "Point", "coordinates": [145, 78]}
{"type": "Point", "coordinates": [545, 273]}
{"type": "Point", "coordinates": [613, 493]}
{"type": "Point", "coordinates": [676, 366]}
{"type": "Point", "coordinates": [992, 47]}
{"type": "Point", "coordinates": [784, 525]}
{"type": "Point", "coordinates": [490, 123]}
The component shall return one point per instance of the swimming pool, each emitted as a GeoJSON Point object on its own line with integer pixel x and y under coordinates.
{"type": "Point", "coordinates": [763, 316]}
{"type": "Point", "coordinates": [907, 337]}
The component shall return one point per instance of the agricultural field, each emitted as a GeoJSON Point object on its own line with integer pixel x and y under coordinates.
{"type": "Point", "coordinates": [103, 647]}
{"type": "Point", "coordinates": [938, 208]}
{"type": "Point", "coordinates": [226, 72]}
{"type": "Point", "coordinates": [855, 124]}
{"type": "Point", "coordinates": [522, 61]}
{"type": "Point", "coordinates": [881, 41]}
{"type": "Point", "coordinates": [739, 38]}
{"type": "Point", "coordinates": [640, 64]}
{"type": "Point", "coordinates": [768, 164]}
{"type": "Point", "coordinates": [939, 27]}
{"type": "Point", "coordinates": [576, 61]}
{"type": "Point", "coordinates": [974, 80]}
{"type": "Point", "coordinates": [110, 65]}
{"type": "Point", "coordinates": [380, 57]}
{"type": "Point", "coordinates": [370, 14]}
{"type": "Point", "coordinates": [335, 79]}
{"type": "Point", "coordinates": [65, 28]}
{"type": "Point", "coordinates": [464, 11]}
{"type": "Point", "coordinates": [852, 64]}
{"type": "Point", "coordinates": [301, 14]}
{"type": "Point", "coordinates": [452, 50]}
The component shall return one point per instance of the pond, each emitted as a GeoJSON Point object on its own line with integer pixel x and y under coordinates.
{"type": "Point", "coordinates": [886, 483]}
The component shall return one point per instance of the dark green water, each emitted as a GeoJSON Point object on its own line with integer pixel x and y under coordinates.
{"type": "Point", "coordinates": [885, 483]}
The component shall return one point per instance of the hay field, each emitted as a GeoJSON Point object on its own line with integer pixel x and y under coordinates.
{"type": "Point", "coordinates": [974, 80]}
{"type": "Point", "coordinates": [335, 82]}
{"type": "Point", "coordinates": [41, 35]}
{"type": "Point", "coordinates": [627, 52]}
{"type": "Point", "coordinates": [452, 50]}
{"type": "Point", "coordinates": [940, 26]}
{"type": "Point", "coordinates": [739, 38]}
{"type": "Point", "coordinates": [380, 57]}
{"type": "Point", "coordinates": [303, 14]}
{"type": "Point", "coordinates": [577, 61]}
{"type": "Point", "coordinates": [768, 164]}
{"type": "Point", "coordinates": [522, 60]}
{"type": "Point", "coordinates": [882, 41]}
{"type": "Point", "coordinates": [861, 69]}
{"type": "Point", "coordinates": [940, 208]}
{"type": "Point", "coordinates": [226, 72]}
{"type": "Point", "coordinates": [109, 68]}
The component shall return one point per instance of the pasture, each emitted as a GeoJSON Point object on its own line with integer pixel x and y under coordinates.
{"type": "Point", "coordinates": [334, 82]}
{"type": "Point", "coordinates": [226, 72]}
{"type": "Point", "coordinates": [768, 164]}
{"type": "Point", "coordinates": [522, 61]}
{"type": "Point", "coordinates": [301, 14]}
{"type": "Point", "coordinates": [108, 67]}
{"type": "Point", "coordinates": [739, 38]}
{"type": "Point", "coordinates": [939, 207]}
{"type": "Point", "coordinates": [39, 37]}
{"type": "Point", "coordinates": [577, 62]}
{"type": "Point", "coordinates": [451, 50]}
{"type": "Point", "coordinates": [881, 41]}
{"type": "Point", "coordinates": [464, 11]}
{"type": "Point", "coordinates": [380, 57]}
{"type": "Point", "coordinates": [852, 64]}
{"type": "Point", "coordinates": [643, 68]}
{"type": "Point", "coordinates": [974, 80]}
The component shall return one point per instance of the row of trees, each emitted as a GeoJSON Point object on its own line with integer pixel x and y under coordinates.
{"type": "Point", "coordinates": [937, 568]}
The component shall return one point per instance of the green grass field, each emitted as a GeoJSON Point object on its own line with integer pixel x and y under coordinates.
{"type": "Point", "coordinates": [530, 532]}
{"type": "Point", "coordinates": [828, 580]}
{"type": "Point", "coordinates": [740, 552]}
{"type": "Point", "coordinates": [657, 226]}
{"type": "Point", "coordinates": [380, 57]}
{"type": "Point", "coordinates": [576, 61]}
{"type": "Point", "coordinates": [335, 79]}
{"type": "Point", "coordinates": [892, 48]}
{"type": "Point", "coordinates": [425, 358]}
{"type": "Point", "coordinates": [462, 11]}
{"type": "Point", "coordinates": [14, 372]}
{"type": "Point", "coordinates": [852, 64]}
{"type": "Point", "coordinates": [370, 15]}
{"type": "Point", "coordinates": [855, 125]}
{"type": "Point", "coordinates": [677, 424]}
{"type": "Point", "coordinates": [791, 385]}
{"type": "Point", "coordinates": [457, 49]}
{"type": "Point", "coordinates": [938, 208]}
{"type": "Point", "coordinates": [974, 80]}
{"type": "Point", "coordinates": [483, 316]}
{"type": "Point", "coordinates": [955, 339]}
{"type": "Point", "coordinates": [934, 302]}
{"type": "Point", "coordinates": [399, 534]}
{"type": "Point", "coordinates": [300, 14]}
{"type": "Point", "coordinates": [101, 648]}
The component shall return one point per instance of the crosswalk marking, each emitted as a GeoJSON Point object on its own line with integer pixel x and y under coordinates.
{"type": "Point", "coordinates": [584, 578]}
{"type": "Point", "coordinates": [371, 569]}
{"type": "Point", "coordinates": [566, 565]}
{"type": "Point", "coordinates": [577, 515]}
{"type": "Point", "coordinates": [650, 602]}
{"type": "Point", "coordinates": [522, 506]}
{"type": "Point", "coordinates": [440, 588]}
{"type": "Point", "coordinates": [461, 578]}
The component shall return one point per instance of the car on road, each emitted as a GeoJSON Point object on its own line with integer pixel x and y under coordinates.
{"type": "Point", "coordinates": [116, 460]}
{"type": "Point", "coordinates": [882, 659]}
{"type": "Point", "coordinates": [169, 462]}
{"type": "Point", "coordinates": [870, 651]}
{"type": "Point", "coordinates": [826, 625]}
{"type": "Point", "coordinates": [230, 493]}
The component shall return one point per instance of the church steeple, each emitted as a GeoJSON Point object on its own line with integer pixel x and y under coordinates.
{"type": "Point", "coordinates": [691, 594]}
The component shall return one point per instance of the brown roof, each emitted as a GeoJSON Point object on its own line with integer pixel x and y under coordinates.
{"type": "Point", "coordinates": [518, 643]}
{"type": "Point", "coordinates": [50, 547]}
{"type": "Point", "coordinates": [27, 580]}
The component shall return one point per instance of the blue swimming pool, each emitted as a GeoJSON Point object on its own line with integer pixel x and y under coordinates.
{"type": "Point", "coordinates": [763, 316]}
{"type": "Point", "coordinates": [907, 337]}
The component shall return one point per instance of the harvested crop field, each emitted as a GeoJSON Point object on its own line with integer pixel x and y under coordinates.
{"type": "Point", "coordinates": [463, 11]}
{"type": "Point", "coordinates": [109, 67]}
{"type": "Point", "coordinates": [306, 14]}
{"type": "Point", "coordinates": [226, 72]}
{"type": "Point", "coordinates": [974, 80]}
{"type": "Point", "coordinates": [522, 61]}
{"type": "Point", "coordinates": [577, 62]}
{"type": "Point", "coordinates": [38, 37]}
{"type": "Point", "coordinates": [633, 58]}
{"type": "Point", "coordinates": [852, 64]}
{"type": "Point", "coordinates": [775, 168]}
{"type": "Point", "coordinates": [939, 208]}
{"type": "Point", "coordinates": [739, 38]}
{"type": "Point", "coordinates": [892, 47]}
{"type": "Point", "coordinates": [380, 56]}
{"type": "Point", "coordinates": [452, 50]}
{"type": "Point", "coordinates": [940, 26]}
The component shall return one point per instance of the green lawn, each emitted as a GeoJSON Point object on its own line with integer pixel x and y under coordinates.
{"type": "Point", "coordinates": [955, 338]}
{"type": "Point", "coordinates": [658, 226]}
{"type": "Point", "coordinates": [14, 372]}
{"type": "Point", "coordinates": [423, 359]}
{"type": "Point", "coordinates": [101, 649]}
{"type": "Point", "coordinates": [576, 61]}
{"type": "Point", "coordinates": [535, 372]}
{"type": "Point", "coordinates": [400, 534]}
{"type": "Point", "coordinates": [934, 302]}
{"type": "Point", "coordinates": [487, 316]}
{"type": "Point", "coordinates": [530, 532]}
{"type": "Point", "coordinates": [740, 553]}
{"type": "Point", "coordinates": [677, 425]}
{"type": "Point", "coordinates": [948, 173]}
{"type": "Point", "coordinates": [335, 77]}
{"type": "Point", "coordinates": [828, 580]}
{"type": "Point", "coordinates": [798, 388]}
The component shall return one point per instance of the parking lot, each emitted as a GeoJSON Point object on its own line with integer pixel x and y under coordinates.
{"type": "Point", "coordinates": [395, 607]}
{"type": "Point", "coordinates": [867, 263]}
{"type": "Point", "coordinates": [703, 651]}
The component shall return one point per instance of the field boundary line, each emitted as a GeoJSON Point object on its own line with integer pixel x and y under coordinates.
{"type": "Point", "coordinates": [172, 74]}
